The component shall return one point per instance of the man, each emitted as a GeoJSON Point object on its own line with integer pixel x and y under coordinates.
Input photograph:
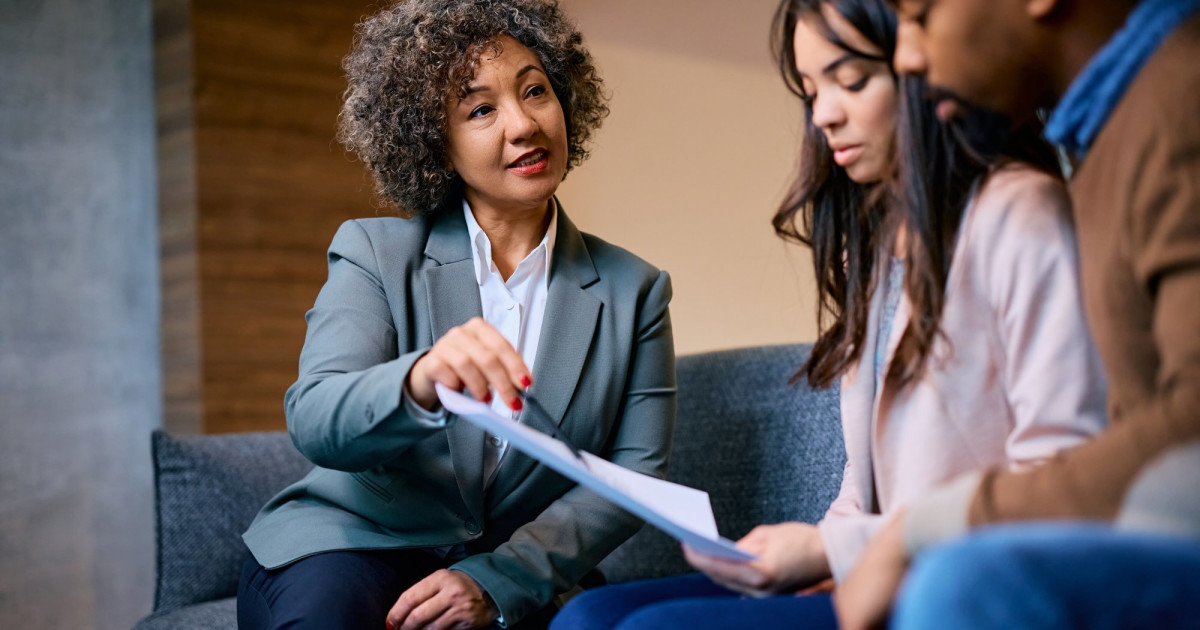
{"type": "Point", "coordinates": [1123, 79]}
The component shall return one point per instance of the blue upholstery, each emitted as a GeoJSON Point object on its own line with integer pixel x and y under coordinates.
{"type": "Point", "coordinates": [765, 451]}
{"type": "Point", "coordinates": [218, 614]}
{"type": "Point", "coordinates": [208, 489]}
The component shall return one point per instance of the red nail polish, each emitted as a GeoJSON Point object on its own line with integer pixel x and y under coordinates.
{"type": "Point", "coordinates": [516, 404]}
{"type": "Point", "coordinates": [526, 381]}
{"type": "Point", "coordinates": [389, 625]}
{"type": "Point", "coordinates": [487, 398]}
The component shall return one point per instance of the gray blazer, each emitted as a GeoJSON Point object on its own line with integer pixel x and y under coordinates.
{"type": "Point", "coordinates": [605, 369]}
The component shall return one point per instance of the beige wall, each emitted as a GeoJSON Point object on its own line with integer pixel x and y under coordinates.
{"type": "Point", "coordinates": [693, 161]}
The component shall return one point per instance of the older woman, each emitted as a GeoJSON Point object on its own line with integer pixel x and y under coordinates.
{"type": "Point", "coordinates": [468, 114]}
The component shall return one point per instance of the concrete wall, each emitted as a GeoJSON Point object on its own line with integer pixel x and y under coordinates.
{"type": "Point", "coordinates": [80, 384]}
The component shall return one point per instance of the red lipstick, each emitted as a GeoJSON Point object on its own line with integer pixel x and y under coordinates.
{"type": "Point", "coordinates": [531, 163]}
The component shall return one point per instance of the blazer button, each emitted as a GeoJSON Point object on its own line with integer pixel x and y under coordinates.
{"type": "Point", "coordinates": [496, 441]}
{"type": "Point", "coordinates": [472, 526]}
{"type": "Point", "coordinates": [370, 413]}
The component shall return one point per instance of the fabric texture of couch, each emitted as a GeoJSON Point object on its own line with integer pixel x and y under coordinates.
{"type": "Point", "coordinates": [764, 450]}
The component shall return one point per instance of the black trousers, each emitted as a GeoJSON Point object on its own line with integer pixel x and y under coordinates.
{"type": "Point", "coordinates": [338, 590]}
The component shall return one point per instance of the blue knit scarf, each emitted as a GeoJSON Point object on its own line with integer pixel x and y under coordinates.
{"type": "Point", "coordinates": [1094, 94]}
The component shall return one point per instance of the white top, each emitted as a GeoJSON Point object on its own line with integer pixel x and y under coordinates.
{"type": "Point", "coordinates": [515, 307]}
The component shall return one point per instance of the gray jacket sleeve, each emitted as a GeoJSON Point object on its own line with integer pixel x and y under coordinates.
{"type": "Point", "coordinates": [345, 412]}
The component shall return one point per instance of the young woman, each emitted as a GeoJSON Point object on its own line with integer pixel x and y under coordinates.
{"type": "Point", "coordinates": [469, 114]}
{"type": "Point", "coordinates": [950, 310]}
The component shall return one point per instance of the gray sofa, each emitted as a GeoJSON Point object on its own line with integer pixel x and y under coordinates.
{"type": "Point", "coordinates": [764, 450]}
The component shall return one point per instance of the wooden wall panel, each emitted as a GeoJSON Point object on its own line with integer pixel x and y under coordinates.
{"type": "Point", "coordinates": [182, 407]}
{"type": "Point", "coordinates": [271, 185]}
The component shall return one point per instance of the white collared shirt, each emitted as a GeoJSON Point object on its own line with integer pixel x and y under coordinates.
{"type": "Point", "coordinates": [515, 307]}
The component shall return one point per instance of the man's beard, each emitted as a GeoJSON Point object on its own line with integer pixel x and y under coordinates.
{"type": "Point", "coordinates": [983, 132]}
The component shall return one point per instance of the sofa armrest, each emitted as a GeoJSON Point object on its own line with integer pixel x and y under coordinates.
{"type": "Point", "coordinates": [207, 490]}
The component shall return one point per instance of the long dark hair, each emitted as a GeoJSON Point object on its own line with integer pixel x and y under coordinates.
{"type": "Point", "coordinates": [839, 219]}
{"type": "Point", "coordinates": [938, 171]}
{"type": "Point", "coordinates": [847, 225]}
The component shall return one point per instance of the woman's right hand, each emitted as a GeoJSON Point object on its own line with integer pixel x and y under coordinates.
{"type": "Point", "coordinates": [475, 357]}
{"type": "Point", "coordinates": [791, 556]}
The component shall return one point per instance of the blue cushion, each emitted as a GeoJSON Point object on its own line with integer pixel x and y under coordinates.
{"type": "Point", "coordinates": [766, 451]}
{"type": "Point", "coordinates": [208, 489]}
{"type": "Point", "coordinates": [217, 615]}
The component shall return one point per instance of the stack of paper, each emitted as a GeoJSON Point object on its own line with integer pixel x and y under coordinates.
{"type": "Point", "coordinates": [684, 513]}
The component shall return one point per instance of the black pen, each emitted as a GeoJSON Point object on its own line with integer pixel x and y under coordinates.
{"type": "Point", "coordinates": [535, 412]}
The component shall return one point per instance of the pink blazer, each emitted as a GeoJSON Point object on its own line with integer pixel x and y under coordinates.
{"type": "Point", "coordinates": [1015, 379]}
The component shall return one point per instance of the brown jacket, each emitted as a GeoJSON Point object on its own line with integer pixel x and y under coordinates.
{"type": "Point", "coordinates": [1137, 210]}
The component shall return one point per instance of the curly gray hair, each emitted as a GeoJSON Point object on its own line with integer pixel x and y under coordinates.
{"type": "Point", "coordinates": [408, 58]}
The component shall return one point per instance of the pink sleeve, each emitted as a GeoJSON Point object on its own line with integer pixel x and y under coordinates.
{"type": "Point", "coordinates": [1053, 374]}
{"type": "Point", "coordinates": [847, 528]}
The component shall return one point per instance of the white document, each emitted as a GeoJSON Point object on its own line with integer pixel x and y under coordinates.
{"type": "Point", "coordinates": [684, 513]}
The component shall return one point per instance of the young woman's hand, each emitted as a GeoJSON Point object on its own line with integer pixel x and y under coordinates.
{"type": "Point", "coordinates": [474, 356]}
{"type": "Point", "coordinates": [444, 600]}
{"type": "Point", "coordinates": [865, 600]}
{"type": "Point", "coordinates": [791, 556]}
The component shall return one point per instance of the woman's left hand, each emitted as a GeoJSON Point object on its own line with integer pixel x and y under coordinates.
{"type": "Point", "coordinates": [865, 599]}
{"type": "Point", "coordinates": [444, 600]}
{"type": "Point", "coordinates": [791, 556]}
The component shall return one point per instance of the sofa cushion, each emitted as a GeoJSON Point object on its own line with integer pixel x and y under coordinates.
{"type": "Point", "coordinates": [208, 489]}
{"type": "Point", "coordinates": [764, 450]}
{"type": "Point", "coordinates": [217, 615]}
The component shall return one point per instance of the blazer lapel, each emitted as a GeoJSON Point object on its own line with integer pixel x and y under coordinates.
{"type": "Point", "coordinates": [899, 325]}
{"type": "Point", "coordinates": [453, 298]}
{"type": "Point", "coordinates": [885, 393]}
{"type": "Point", "coordinates": [858, 401]}
{"type": "Point", "coordinates": [568, 330]}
